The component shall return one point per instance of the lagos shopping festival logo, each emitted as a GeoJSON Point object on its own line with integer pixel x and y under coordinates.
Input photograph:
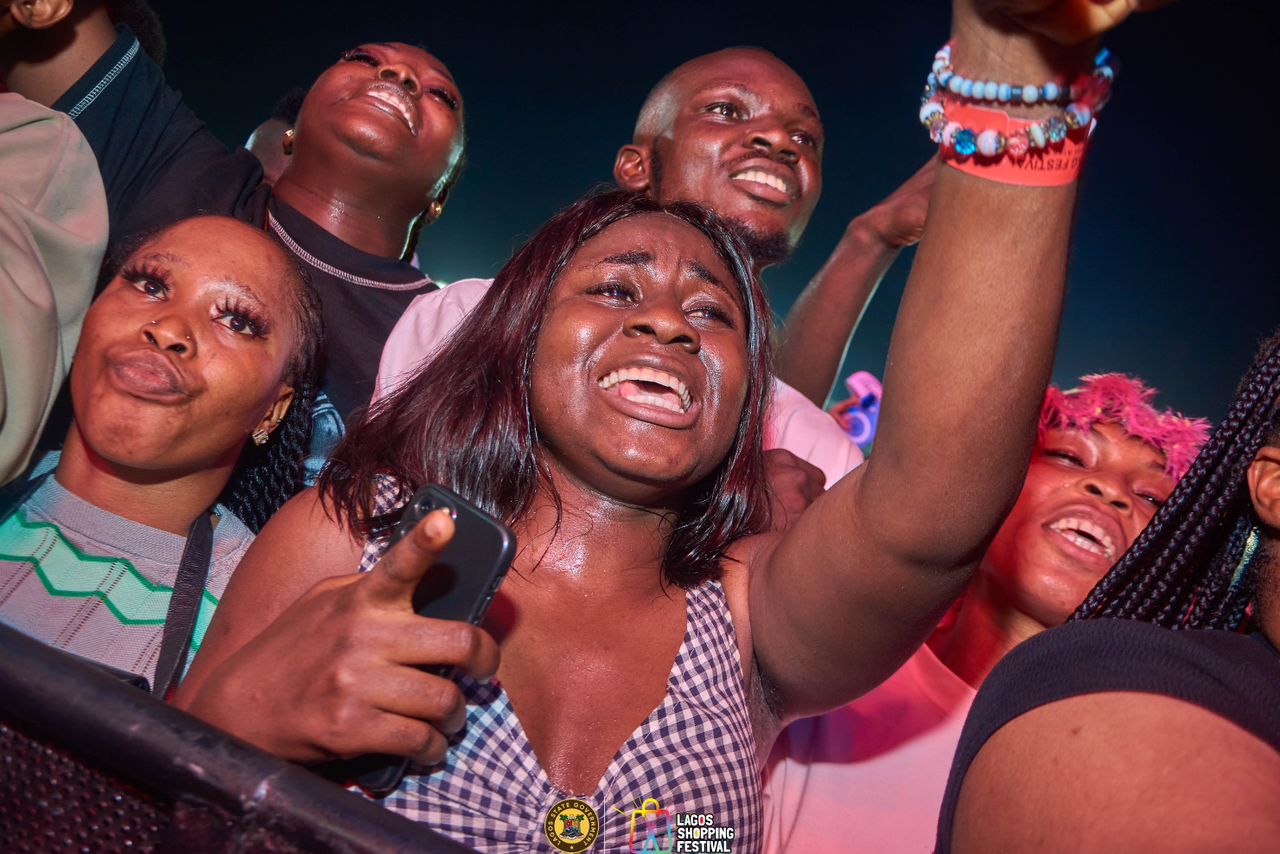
{"type": "Point", "coordinates": [655, 830]}
{"type": "Point", "coordinates": [572, 826]}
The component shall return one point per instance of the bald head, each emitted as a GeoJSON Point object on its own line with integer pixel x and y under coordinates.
{"type": "Point", "coordinates": [736, 131]}
{"type": "Point", "coordinates": [664, 100]}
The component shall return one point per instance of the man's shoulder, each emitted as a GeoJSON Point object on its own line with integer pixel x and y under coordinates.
{"type": "Point", "coordinates": [801, 427]}
{"type": "Point", "coordinates": [425, 325]}
{"type": "Point", "coordinates": [444, 307]}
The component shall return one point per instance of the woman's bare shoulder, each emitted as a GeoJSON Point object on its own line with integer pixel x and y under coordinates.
{"type": "Point", "coordinates": [307, 535]}
{"type": "Point", "coordinates": [1120, 771]}
{"type": "Point", "coordinates": [301, 545]}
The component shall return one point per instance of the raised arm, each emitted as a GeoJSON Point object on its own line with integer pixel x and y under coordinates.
{"type": "Point", "coordinates": [828, 310]}
{"type": "Point", "coordinates": [860, 580]}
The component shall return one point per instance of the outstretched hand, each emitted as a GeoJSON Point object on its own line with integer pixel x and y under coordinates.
{"type": "Point", "coordinates": [337, 673]}
{"type": "Point", "coordinates": [1066, 22]}
{"type": "Point", "coordinates": [898, 221]}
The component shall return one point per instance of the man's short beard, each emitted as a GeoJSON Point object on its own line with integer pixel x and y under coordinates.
{"type": "Point", "coordinates": [765, 249]}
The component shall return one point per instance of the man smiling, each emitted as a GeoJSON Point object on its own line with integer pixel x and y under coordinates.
{"type": "Point", "coordinates": [738, 132]}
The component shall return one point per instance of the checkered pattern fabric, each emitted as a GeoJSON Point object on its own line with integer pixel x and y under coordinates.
{"type": "Point", "coordinates": [695, 753]}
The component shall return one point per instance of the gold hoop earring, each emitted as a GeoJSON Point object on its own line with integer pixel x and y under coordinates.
{"type": "Point", "coordinates": [287, 140]}
{"type": "Point", "coordinates": [434, 210]}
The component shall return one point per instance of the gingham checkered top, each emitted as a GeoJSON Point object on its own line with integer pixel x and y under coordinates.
{"type": "Point", "coordinates": [695, 753]}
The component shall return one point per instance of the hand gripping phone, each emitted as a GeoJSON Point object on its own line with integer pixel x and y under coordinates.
{"type": "Point", "coordinates": [458, 586]}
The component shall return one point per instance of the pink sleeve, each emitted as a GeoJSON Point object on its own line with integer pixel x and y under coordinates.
{"type": "Point", "coordinates": [796, 424]}
{"type": "Point", "coordinates": [425, 325]}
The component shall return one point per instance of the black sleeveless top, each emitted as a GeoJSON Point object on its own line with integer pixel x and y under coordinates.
{"type": "Point", "coordinates": [1234, 676]}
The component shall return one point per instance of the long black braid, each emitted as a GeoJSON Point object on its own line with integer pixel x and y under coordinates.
{"type": "Point", "coordinates": [267, 476]}
{"type": "Point", "coordinates": [1181, 571]}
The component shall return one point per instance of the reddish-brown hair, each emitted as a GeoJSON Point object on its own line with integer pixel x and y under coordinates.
{"type": "Point", "coordinates": [464, 420]}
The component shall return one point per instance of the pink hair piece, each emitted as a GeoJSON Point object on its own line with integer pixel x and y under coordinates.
{"type": "Point", "coordinates": [1125, 400]}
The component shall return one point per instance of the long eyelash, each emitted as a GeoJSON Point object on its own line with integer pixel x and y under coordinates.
{"type": "Point", "coordinates": [718, 313]}
{"type": "Point", "coordinates": [446, 96]}
{"type": "Point", "coordinates": [604, 289]}
{"type": "Point", "coordinates": [356, 55]}
{"type": "Point", "coordinates": [146, 271]}
{"type": "Point", "coordinates": [258, 326]}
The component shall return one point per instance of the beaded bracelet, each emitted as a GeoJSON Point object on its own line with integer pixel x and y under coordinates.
{"type": "Point", "coordinates": [1001, 143]}
{"type": "Point", "coordinates": [990, 142]}
{"type": "Point", "coordinates": [1020, 162]}
{"type": "Point", "coordinates": [943, 76]}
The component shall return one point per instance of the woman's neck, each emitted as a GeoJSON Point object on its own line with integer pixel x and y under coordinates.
{"type": "Point", "coordinates": [985, 629]}
{"type": "Point", "coordinates": [369, 220]}
{"type": "Point", "coordinates": [598, 543]}
{"type": "Point", "coordinates": [165, 500]}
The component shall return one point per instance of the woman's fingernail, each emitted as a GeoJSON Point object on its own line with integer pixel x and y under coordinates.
{"type": "Point", "coordinates": [435, 523]}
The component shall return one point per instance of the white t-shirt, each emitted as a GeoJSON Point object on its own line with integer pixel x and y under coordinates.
{"type": "Point", "coordinates": [869, 776]}
{"type": "Point", "coordinates": [794, 422]}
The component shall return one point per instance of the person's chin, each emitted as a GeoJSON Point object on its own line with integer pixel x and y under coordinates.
{"type": "Point", "coordinates": [768, 246]}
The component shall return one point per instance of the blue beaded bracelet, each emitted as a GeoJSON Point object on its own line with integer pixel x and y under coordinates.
{"type": "Point", "coordinates": [943, 77]}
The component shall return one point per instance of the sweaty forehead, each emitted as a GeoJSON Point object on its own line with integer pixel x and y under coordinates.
{"type": "Point", "coordinates": [655, 241]}
{"type": "Point", "coordinates": [755, 71]}
{"type": "Point", "coordinates": [1135, 451]}
{"type": "Point", "coordinates": [647, 234]}
{"type": "Point", "coordinates": [751, 72]}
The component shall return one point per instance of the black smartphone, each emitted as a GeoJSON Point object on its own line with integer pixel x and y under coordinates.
{"type": "Point", "coordinates": [458, 586]}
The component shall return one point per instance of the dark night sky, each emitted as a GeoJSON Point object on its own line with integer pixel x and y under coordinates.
{"type": "Point", "coordinates": [1172, 278]}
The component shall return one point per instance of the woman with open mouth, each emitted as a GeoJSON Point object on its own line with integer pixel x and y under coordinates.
{"type": "Point", "coordinates": [1104, 461]}
{"type": "Point", "coordinates": [190, 387]}
{"type": "Point", "coordinates": [606, 400]}
{"type": "Point", "coordinates": [1151, 720]}
{"type": "Point", "coordinates": [377, 146]}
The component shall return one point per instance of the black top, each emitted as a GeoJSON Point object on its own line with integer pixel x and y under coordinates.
{"type": "Point", "coordinates": [161, 164]}
{"type": "Point", "coordinates": [1234, 676]}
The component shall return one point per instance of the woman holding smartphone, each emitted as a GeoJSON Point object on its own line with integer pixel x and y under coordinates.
{"type": "Point", "coordinates": [605, 399]}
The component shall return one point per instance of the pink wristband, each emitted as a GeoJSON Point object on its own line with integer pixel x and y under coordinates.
{"type": "Point", "coordinates": [1052, 166]}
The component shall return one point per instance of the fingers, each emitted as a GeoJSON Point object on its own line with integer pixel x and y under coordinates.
{"type": "Point", "coordinates": [420, 642]}
{"type": "Point", "coordinates": [394, 578]}
{"type": "Point", "coordinates": [426, 697]}
{"type": "Point", "coordinates": [379, 701]}
{"type": "Point", "coordinates": [1076, 21]}
{"type": "Point", "coordinates": [385, 732]}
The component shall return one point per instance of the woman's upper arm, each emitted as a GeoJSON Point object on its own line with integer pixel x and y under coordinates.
{"type": "Point", "coordinates": [300, 546]}
{"type": "Point", "coordinates": [1120, 772]}
{"type": "Point", "coordinates": [837, 604]}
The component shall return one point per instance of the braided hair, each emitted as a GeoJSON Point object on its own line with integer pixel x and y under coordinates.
{"type": "Point", "coordinates": [267, 476]}
{"type": "Point", "coordinates": [1190, 568]}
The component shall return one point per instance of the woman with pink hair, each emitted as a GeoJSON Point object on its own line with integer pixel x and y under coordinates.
{"type": "Point", "coordinates": [1105, 459]}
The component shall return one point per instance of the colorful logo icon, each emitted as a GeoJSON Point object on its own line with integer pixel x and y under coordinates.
{"type": "Point", "coordinates": [651, 828]}
{"type": "Point", "coordinates": [572, 825]}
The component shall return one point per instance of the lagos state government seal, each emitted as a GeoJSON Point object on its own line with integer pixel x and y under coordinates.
{"type": "Point", "coordinates": [572, 825]}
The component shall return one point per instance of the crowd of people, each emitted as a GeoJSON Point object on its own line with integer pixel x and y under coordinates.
{"type": "Point", "coordinates": [996, 632]}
